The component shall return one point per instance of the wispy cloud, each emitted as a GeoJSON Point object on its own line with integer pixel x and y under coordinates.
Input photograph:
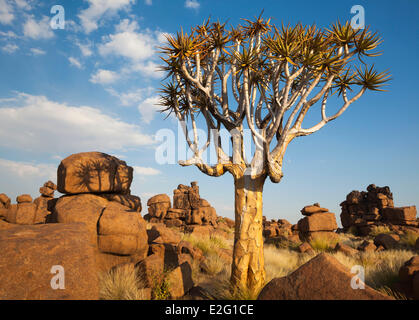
{"type": "Point", "coordinates": [37, 51]}
{"type": "Point", "coordinates": [146, 171]}
{"type": "Point", "coordinates": [74, 62]}
{"type": "Point", "coordinates": [103, 76]}
{"type": "Point", "coordinates": [192, 4]}
{"type": "Point", "coordinates": [6, 12]}
{"type": "Point", "coordinates": [10, 48]}
{"type": "Point", "coordinates": [98, 9]}
{"type": "Point", "coordinates": [38, 29]}
{"type": "Point", "coordinates": [38, 124]}
{"type": "Point", "coordinates": [149, 108]}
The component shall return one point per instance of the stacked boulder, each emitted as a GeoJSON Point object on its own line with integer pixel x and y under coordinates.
{"type": "Point", "coordinates": [188, 208]}
{"type": "Point", "coordinates": [96, 189]}
{"type": "Point", "coordinates": [28, 211]}
{"type": "Point", "coordinates": [318, 223]}
{"type": "Point", "coordinates": [375, 207]}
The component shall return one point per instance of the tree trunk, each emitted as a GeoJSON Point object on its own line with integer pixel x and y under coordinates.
{"type": "Point", "coordinates": [248, 261]}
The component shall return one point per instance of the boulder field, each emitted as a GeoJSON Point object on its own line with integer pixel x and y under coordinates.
{"type": "Point", "coordinates": [96, 225]}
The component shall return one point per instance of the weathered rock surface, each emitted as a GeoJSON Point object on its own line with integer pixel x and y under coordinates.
{"type": "Point", "coordinates": [388, 241]}
{"type": "Point", "coordinates": [85, 208]}
{"type": "Point", "coordinates": [409, 278]}
{"type": "Point", "coordinates": [322, 278]}
{"type": "Point", "coordinates": [29, 252]}
{"type": "Point", "coordinates": [93, 172]}
{"type": "Point", "coordinates": [121, 231]}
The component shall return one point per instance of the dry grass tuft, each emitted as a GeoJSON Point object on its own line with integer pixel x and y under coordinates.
{"type": "Point", "coordinates": [409, 239]}
{"type": "Point", "coordinates": [121, 283]}
{"type": "Point", "coordinates": [323, 244]}
{"type": "Point", "coordinates": [281, 262]}
{"type": "Point", "coordinates": [376, 230]}
{"type": "Point", "coordinates": [208, 245]}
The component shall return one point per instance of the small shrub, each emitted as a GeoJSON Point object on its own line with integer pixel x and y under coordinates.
{"type": "Point", "coordinates": [121, 283]}
{"type": "Point", "coordinates": [282, 242]}
{"type": "Point", "coordinates": [214, 264]}
{"type": "Point", "coordinates": [208, 245]}
{"type": "Point", "coordinates": [223, 291]}
{"type": "Point", "coordinates": [161, 286]}
{"type": "Point", "coordinates": [376, 230]}
{"type": "Point", "coordinates": [281, 262]}
{"type": "Point", "coordinates": [409, 239]}
{"type": "Point", "coordinates": [323, 244]}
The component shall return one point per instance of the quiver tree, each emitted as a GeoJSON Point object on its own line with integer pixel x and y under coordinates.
{"type": "Point", "coordinates": [264, 79]}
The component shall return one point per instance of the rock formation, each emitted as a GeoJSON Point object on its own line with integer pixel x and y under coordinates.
{"type": "Point", "coordinates": [317, 223]}
{"type": "Point", "coordinates": [96, 189]}
{"type": "Point", "coordinates": [375, 207]}
{"type": "Point", "coordinates": [26, 211]}
{"type": "Point", "coordinates": [188, 208]}
{"type": "Point", "coordinates": [275, 228]}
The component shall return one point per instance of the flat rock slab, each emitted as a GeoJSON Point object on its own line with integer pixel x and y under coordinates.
{"type": "Point", "coordinates": [28, 253]}
{"type": "Point", "coordinates": [322, 278]}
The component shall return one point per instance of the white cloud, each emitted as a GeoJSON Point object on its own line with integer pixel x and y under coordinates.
{"type": "Point", "coordinates": [10, 48]}
{"type": "Point", "coordinates": [146, 171]}
{"type": "Point", "coordinates": [148, 108]}
{"type": "Point", "coordinates": [103, 76]}
{"type": "Point", "coordinates": [148, 68]}
{"type": "Point", "coordinates": [37, 52]}
{"type": "Point", "coordinates": [97, 9]}
{"type": "Point", "coordinates": [21, 177]}
{"type": "Point", "coordinates": [40, 125]}
{"type": "Point", "coordinates": [74, 62]}
{"type": "Point", "coordinates": [6, 12]}
{"type": "Point", "coordinates": [38, 29]}
{"type": "Point", "coordinates": [129, 44]}
{"type": "Point", "coordinates": [86, 49]}
{"type": "Point", "coordinates": [132, 97]}
{"type": "Point", "coordinates": [23, 4]}
{"type": "Point", "coordinates": [149, 2]}
{"type": "Point", "coordinates": [192, 4]}
{"type": "Point", "coordinates": [8, 34]}
{"type": "Point", "coordinates": [127, 25]}
{"type": "Point", "coordinates": [27, 170]}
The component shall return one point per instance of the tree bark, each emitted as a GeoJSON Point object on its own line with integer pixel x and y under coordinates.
{"type": "Point", "coordinates": [248, 262]}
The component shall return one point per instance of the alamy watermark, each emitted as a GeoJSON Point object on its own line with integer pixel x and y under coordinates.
{"type": "Point", "coordinates": [358, 280]}
{"type": "Point", "coordinates": [58, 20]}
{"type": "Point", "coordinates": [358, 20]}
{"type": "Point", "coordinates": [58, 280]}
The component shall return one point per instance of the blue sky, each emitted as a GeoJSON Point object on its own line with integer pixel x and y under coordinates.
{"type": "Point", "coordinates": [93, 86]}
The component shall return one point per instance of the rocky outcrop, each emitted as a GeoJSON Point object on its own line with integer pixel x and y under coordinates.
{"type": "Point", "coordinates": [318, 222]}
{"type": "Point", "coordinates": [93, 172]}
{"type": "Point", "coordinates": [322, 278]}
{"type": "Point", "coordinates": [276, 228]}
{"type": "Point", "coordinates": [188, 208]}
{"type": "Point", "coordinates": [26, 211]}
{"type": "Point", "coordinates": [375, 207]}
{"type": "Point", "coordinates": [96, 189]}
{"type": "Point", "coordinates": [28, 254]}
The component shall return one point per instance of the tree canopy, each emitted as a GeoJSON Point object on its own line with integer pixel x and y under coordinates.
{"type": "Point", "coordinates": [264, 78]}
